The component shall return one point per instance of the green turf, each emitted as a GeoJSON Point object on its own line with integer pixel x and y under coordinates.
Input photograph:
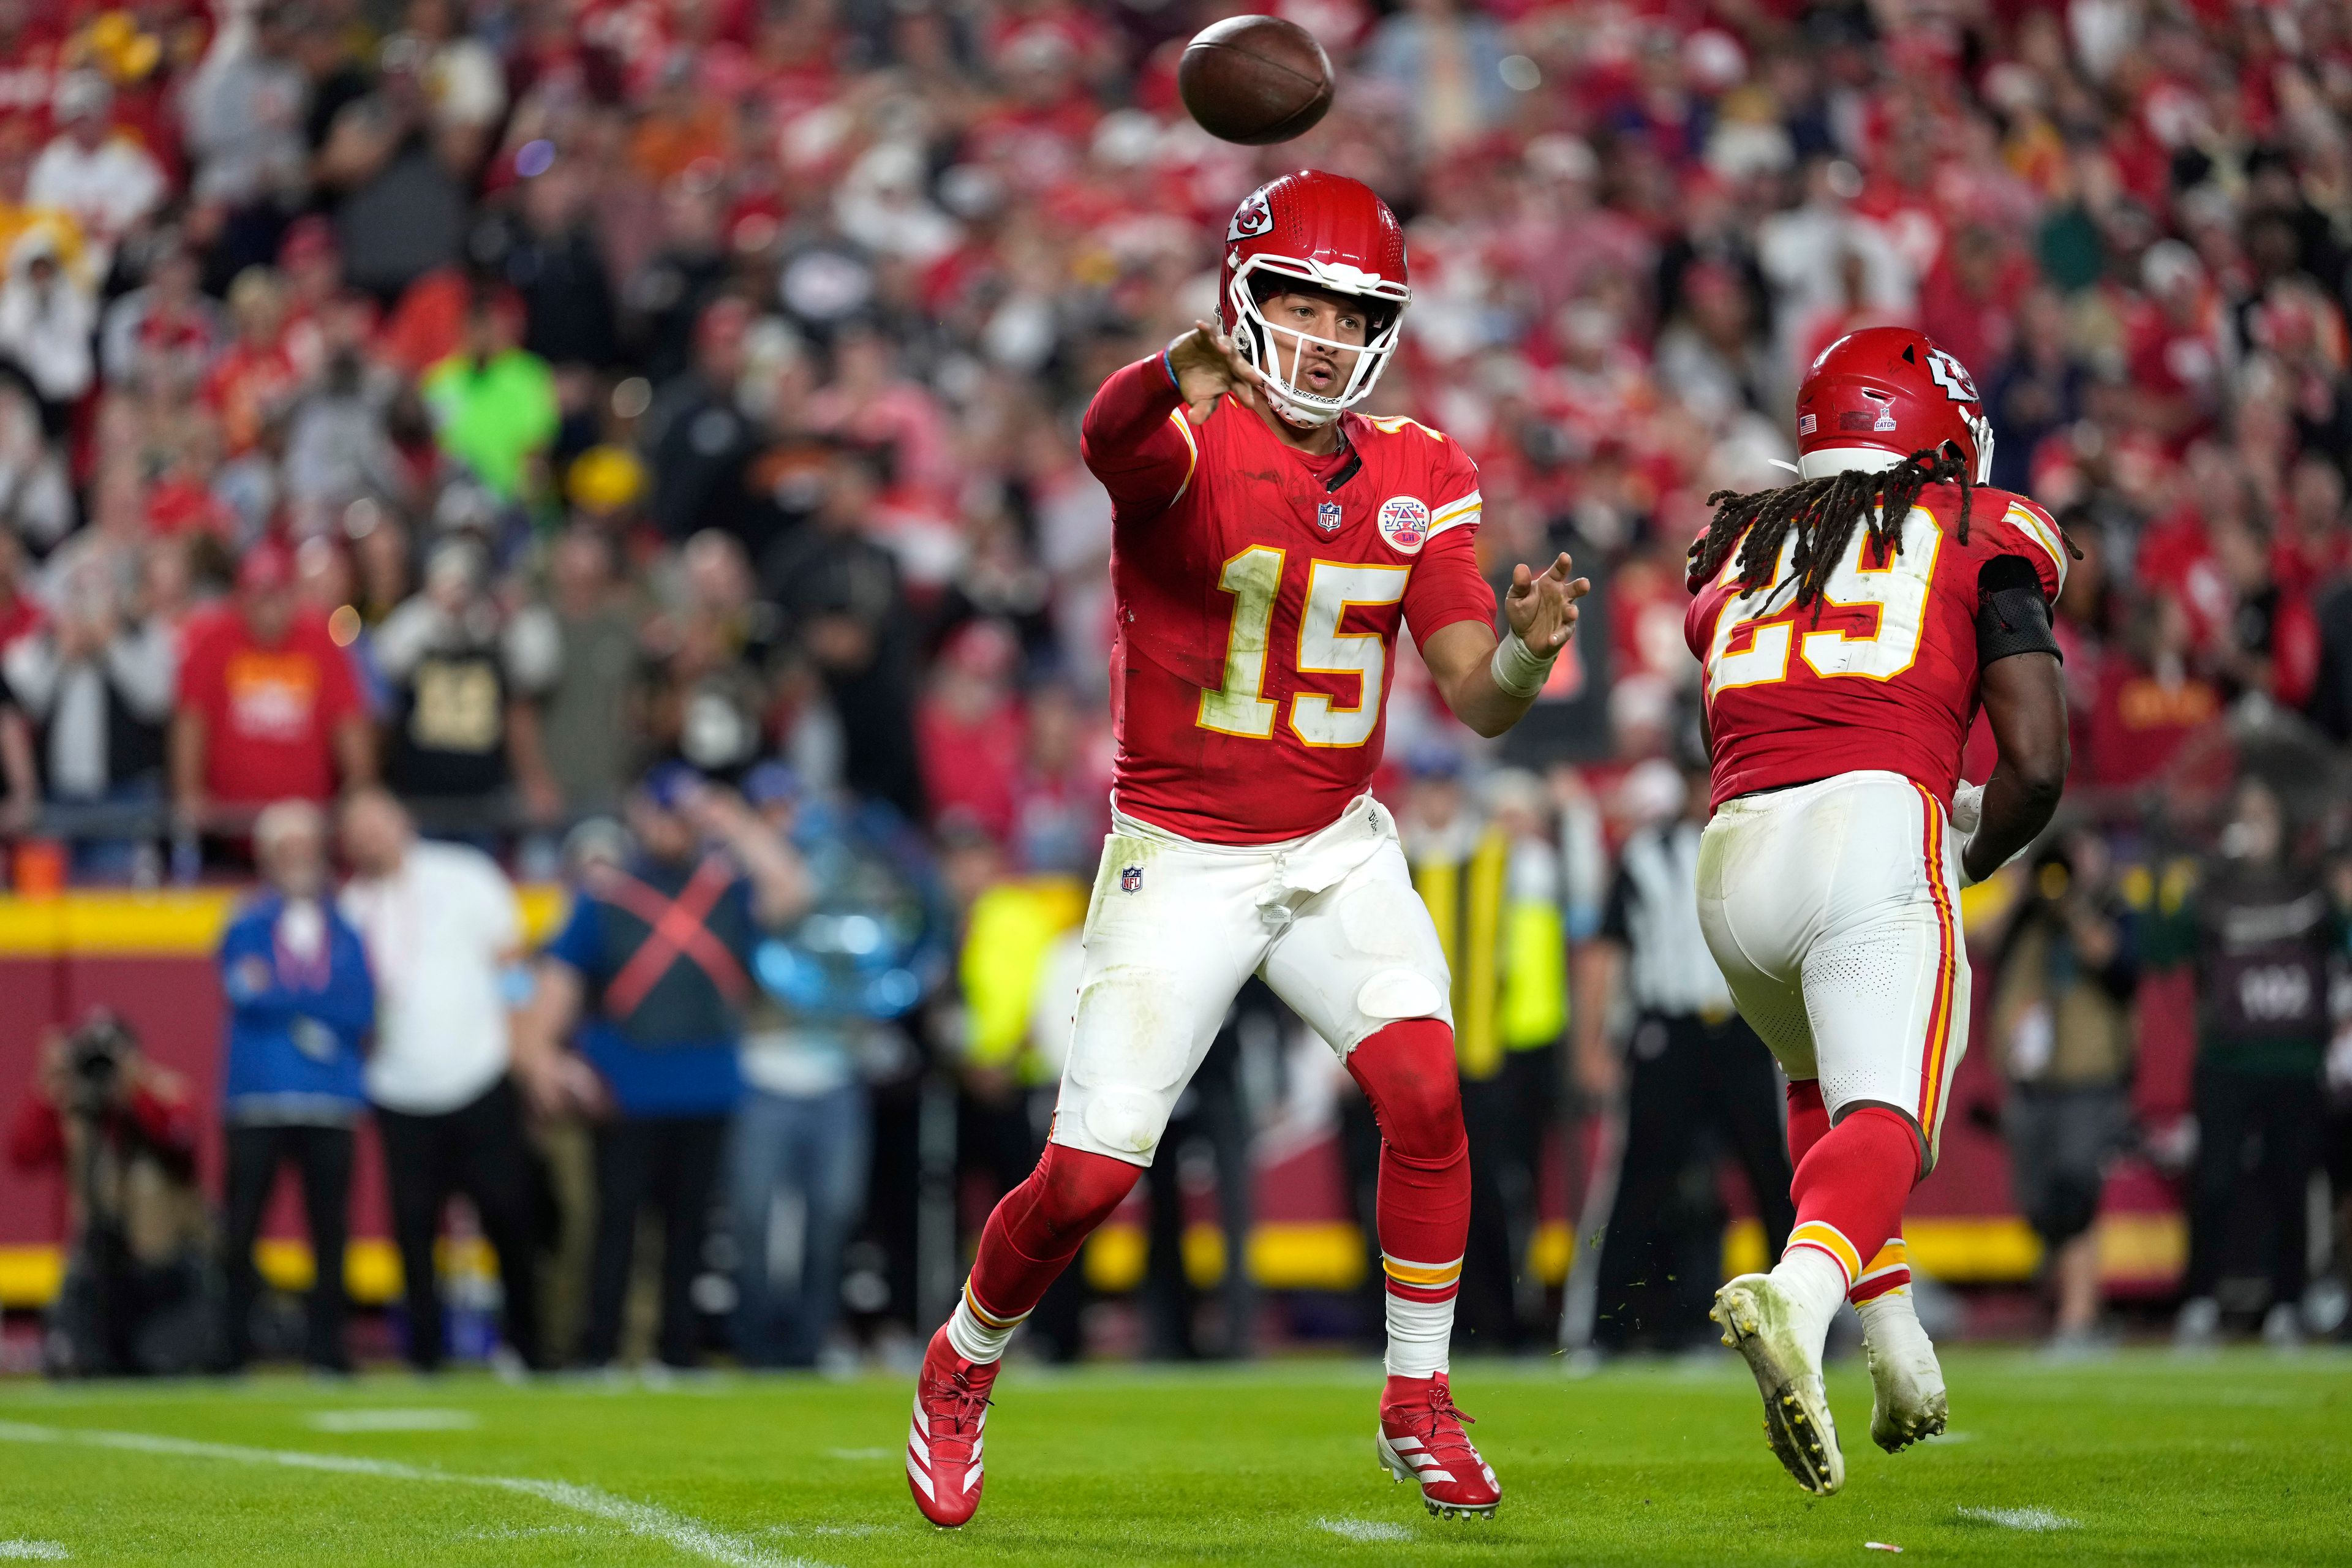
{"type": "Point", "coordinates": [2246, 1457]}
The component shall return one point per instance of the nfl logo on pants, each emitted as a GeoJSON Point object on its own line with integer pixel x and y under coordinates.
{"type": "Point", "coordinates": [1131, 880]}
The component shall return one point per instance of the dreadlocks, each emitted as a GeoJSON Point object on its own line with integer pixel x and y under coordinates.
{"type": "Point", "coordinates": [1824, 513]}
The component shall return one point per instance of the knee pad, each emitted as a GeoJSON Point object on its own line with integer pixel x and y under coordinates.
{"type": "Point", "coordinates": [1126, 1120]}
{"type": "Point", "coordinates": [1395, 994]}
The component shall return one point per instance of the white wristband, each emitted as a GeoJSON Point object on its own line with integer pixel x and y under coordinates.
{"type": "Point", "coordinates": [1516, 668]}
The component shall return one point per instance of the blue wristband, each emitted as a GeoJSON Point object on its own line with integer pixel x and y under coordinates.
{"type": "Point", "coordinates": [1169, 366]}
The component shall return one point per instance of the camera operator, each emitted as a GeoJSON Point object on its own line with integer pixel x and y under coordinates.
{"type": "Point", "coordinates": [122, 1131]}
{"type": "Point", "coordinates": [2063, 977]}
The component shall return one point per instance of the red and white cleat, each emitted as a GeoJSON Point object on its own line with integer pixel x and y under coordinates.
{"type": "Point", "coordinates": [943, 1445]}
{"type": "Point", "coordinates": [1421, 1440]}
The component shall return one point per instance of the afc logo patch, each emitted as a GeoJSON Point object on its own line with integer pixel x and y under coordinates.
{"type": "Point", "coordinates": [1404, 522]}
{"type": "Point", "coordinates": [1130, 879]}
{"type": "Point", "coordinates": [1327, 516]}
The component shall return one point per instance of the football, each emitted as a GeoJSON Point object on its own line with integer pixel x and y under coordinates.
{"type": "Point", "coordinates": [1254, 79]}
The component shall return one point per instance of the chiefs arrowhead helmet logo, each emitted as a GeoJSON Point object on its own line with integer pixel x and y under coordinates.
{"type": "Point", "coordinates": [1250, 218]}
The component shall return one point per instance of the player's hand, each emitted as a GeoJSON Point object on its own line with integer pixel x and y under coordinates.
{"type": "Point", "coordinates": [1208, 366]}
{"type": "Point", "coordinates": [1542, 608]}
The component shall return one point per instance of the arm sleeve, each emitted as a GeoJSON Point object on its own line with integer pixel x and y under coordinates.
{"type": "Point", "coordinates": [2012, 616]}
{"type": "Point", "coordinates": [1136, 440]}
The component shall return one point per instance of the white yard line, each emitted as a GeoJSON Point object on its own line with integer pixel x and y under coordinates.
{"type": "Point", "coordinates": [688, 1535]}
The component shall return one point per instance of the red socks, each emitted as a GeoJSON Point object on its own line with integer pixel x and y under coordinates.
{"type": "Point", "coordinates": [1809, 1122]}
{"type": "Point", "coordinates": [1033, 1234]}
{"type": "Point", "coordinates": [1850, 1188]}
{"type": "Point", "coordinates": [1408, 1073]}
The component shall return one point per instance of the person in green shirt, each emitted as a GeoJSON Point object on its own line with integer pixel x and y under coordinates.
{"type": "Point", "coordinates": [493, 403]}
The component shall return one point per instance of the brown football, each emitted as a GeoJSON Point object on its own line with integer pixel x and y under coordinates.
{"type": "Point", "coordinates": [1254, 79]}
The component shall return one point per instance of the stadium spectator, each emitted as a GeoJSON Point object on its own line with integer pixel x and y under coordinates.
{"type": "Point", "coordinates": [460, 731]}
{"type": "Point", "coordinates": [300, 1002]}
{"type": "Point", "coordinates": [1696, 1081]}
{"type": "Point", "coordinates": [2261, 931]}
{"type": "Point", "coordinates": [578, 659]}
{"type": "Point", "coordinates": [443, 938]}
{"type": "Point", "coordinates": [653, 970]}
{"type": "Point", "coordinates": [268, 709]}
{"type": "Point", "coordinates": [830, 989]}
{"type": "Point", "coordinates": [845, 609]}
{"type": "Point", "coordinates": [96, 679]}
{"type": "Point", "coordinates": [107, 181]}
{"type": "Point", "coordinates": [2063, 976]}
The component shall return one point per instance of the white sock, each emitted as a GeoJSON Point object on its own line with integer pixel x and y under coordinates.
{"type": "Point", "coordinates": [1420, 1333]}
{"type": "Point", "coordinates": [974, 1338]}
{"type": "Point", "coordinates": [1816, 1287]}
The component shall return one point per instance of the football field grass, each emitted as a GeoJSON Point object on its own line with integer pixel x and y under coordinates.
{"type": "Point", "coordinates": [2245, 1457]}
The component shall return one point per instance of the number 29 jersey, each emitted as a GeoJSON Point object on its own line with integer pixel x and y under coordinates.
{"type": "Point", "coordinates": [1886, 680]}
{"type": "Point", "coordinates": [1258, 594]}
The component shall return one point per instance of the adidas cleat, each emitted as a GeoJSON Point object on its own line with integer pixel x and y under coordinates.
{"type": "Point", "coordinates": [1906, 1383]}
{"type": "Point", "coordinates": [1421, 1439]}
{"type": "Point", "coordinates": [943, 1468]}
{"type": "Point", "coordinates": [1755, 1318]}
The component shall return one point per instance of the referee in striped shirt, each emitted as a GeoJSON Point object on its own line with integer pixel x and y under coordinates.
{"type": "Point", "coordinates": [1696, 1082]}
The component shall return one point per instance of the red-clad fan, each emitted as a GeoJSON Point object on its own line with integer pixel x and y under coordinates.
{"type": "Point", "coordinates": [1268, 545]}
{"type": "Point", "coordinates": [1850, 626]}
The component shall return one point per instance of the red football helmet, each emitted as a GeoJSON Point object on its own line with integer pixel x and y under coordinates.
{"type": "Point", "coordinates": [1878, 396]}
{"type": "Point", "coordinates": [1328, 231]}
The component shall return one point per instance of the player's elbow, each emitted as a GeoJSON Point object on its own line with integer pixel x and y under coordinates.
{"type": "Point", "coordinates": [2041, 774]}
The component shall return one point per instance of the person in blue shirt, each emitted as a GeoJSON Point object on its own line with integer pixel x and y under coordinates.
{"type": "Point", "coordinates": [300, 1002]}
{"type": "Point", "coordinates": [648, 979]}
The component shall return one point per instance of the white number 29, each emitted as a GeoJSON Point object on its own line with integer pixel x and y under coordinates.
{"type": "Point", "coordinates": [1238, 706]}
{"type": "Point", "coordinates": [1757, 635]}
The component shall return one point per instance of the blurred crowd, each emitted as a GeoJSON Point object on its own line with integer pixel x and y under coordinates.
{"type": "Point", "coordinates": [495, 399]}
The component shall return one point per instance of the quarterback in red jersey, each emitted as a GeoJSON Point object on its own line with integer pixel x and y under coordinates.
{"type": "Point", "coordinates": [1269, 543]}
{"type": "Point", "coordinates": [1849, 626]}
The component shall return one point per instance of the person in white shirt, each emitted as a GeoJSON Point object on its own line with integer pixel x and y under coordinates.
{"type": "Point", "coordinates": [111, 183]}
{"type": "Point", "coordinates": [444, 937]}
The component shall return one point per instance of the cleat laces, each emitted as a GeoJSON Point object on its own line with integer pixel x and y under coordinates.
{"type": "Point", "coordinates": [955, 1401]}
{"type": "Point", "coordinates": [1440, 1423]}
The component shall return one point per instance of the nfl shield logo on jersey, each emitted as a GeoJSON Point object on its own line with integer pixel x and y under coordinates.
{"type": "Point", "coordinates": [1327, 516]}
{"type": "Point", "coordinates": [1130, 879]}
{"type": "Point", "coordinates": [1404, 522]}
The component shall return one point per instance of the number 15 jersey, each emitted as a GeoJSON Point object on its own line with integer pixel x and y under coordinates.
{"type": "Point", "coordinates": [1886, 678]}
{"type": "Point", "coordinates": [1258, 591]}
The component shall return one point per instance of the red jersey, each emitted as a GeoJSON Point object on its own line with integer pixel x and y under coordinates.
{"type": "Point", "coordinates": [1259, 590]}
{"type": "Point", "coordinates": [1886, 680]}
{"type": "Point", "coordinates": [269, 713]}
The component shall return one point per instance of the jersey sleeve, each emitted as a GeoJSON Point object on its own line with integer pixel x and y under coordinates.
{"type": "Point", "coordinates": [1446, 585]}
{"type": "Point", "coordinates": [2026, 530]}
{"type": "Point", "coordinates": [1136, 439]}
